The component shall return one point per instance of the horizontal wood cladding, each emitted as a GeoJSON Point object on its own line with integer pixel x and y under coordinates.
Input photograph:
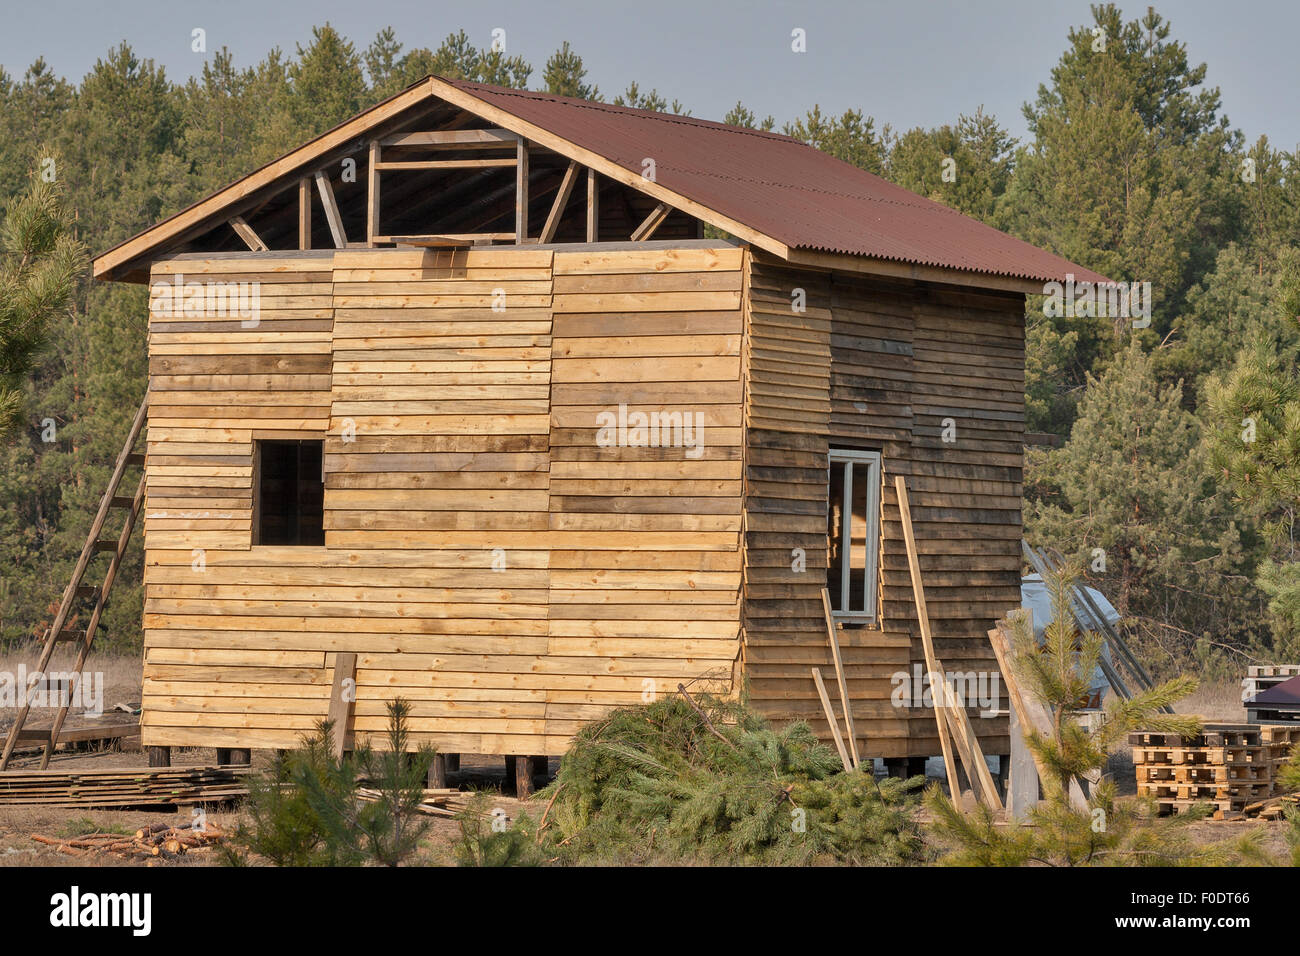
{"type": "Point", "coordinates": [932, 377]}
{"type": "Point", "coordinates": [489, 554]}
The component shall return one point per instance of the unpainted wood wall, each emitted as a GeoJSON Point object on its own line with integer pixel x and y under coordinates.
{"type": "Point", "coordinates": [880, 364]}
{"type": "Point", "coordinates": [485, 557]}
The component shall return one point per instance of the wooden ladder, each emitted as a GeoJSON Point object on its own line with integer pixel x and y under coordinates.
{"type": "Point", "coordinates": [58, 633]}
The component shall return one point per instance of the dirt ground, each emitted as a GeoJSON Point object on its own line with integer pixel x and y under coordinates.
{"type": "Point", "coordinates": [121, 681]}
{"type": "Point", "coordinates": [17, 824]}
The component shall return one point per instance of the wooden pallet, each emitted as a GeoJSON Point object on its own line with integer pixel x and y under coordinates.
{"type": "Point", "coordinates": [1260, 677]}
{"type": "Point", "coordinates": [1226, 765]}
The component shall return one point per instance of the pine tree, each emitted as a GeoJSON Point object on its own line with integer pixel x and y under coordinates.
{"type": "Point", "coordinates": [1105, 832]}
{"type": "Point", "coordinates": [565, 75]}
{"type": "Point", "coordinates": [739, 115]}
{"type": "Point", "coordinates": [39, 264]}
{"type": "Point", "coordinates": [1255, 450]}
{"type": "Point", "coordinates": [966, 167]}
{"type": "Point", "coordinates": [328, 86]}
{"type": "Point", "coordinates": [1130, 495]}
{"type": "Point", "coordinates": [850, 137]}
{"type": "Point", "coordinates": [1129, 172]}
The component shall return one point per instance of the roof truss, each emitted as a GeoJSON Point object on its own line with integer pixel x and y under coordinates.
{"type": "Point", "coordinates": [486, 181]}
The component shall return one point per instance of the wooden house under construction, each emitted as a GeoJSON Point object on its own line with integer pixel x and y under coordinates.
{"type": "Point", "coordinates": [523, 408]}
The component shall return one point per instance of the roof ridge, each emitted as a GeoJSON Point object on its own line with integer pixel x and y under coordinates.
{"type": "Point", "coordinates": [579, 103]}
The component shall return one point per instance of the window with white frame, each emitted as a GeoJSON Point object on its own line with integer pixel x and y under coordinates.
{"type": "Point", "coordinates": [853, 532]}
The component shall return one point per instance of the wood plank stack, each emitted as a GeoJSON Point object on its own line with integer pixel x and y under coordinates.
{"type": "Point", "coordinates": [122, 788]}
{"type": "Point", "coordinates": [439, 802]}
{"type": "Point", "coordinates": [1227, 765]}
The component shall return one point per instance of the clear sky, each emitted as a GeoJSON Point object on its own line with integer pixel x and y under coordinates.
{"type": "Point", "coordinates": [917, 63]}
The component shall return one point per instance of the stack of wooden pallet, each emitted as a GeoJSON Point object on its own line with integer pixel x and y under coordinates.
{"type": "Point", "coordinates": [1260, 677]}
{"type": "Point", "coordinates": [1226, 765]}
{"type": "Point", "coordinates": [121, 788]}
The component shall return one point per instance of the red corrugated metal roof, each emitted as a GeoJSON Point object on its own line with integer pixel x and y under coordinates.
{"type": "Point", "coordinates": [782, 188]}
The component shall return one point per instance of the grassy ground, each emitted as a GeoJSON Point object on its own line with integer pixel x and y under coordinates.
{"type": "Point", "coordinates": [119, 674]}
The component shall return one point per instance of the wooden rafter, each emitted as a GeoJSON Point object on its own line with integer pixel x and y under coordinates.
{"type": "Point", "coordinates": [372, 193]}
{"type": "Point", "coordinates": [446, 239]}
{"type": "Point", "coordinates": [561, 200]}
{"type": "Point", "coordinates": [414, 164]}
{"type": "Point", "coordinates": [304, 213]}
{"type": "Point", "coordinates": [248, 234]}
{"type": "Point", "coordinates": [203, 215]}
{"type": "Point", "coordinates": [553, 141]}
{"type": "Point", "coordinates": [521, 190]}
{"type": "Point", "coordinates": [651, 222]}
{"type": "Point", "coordinates": [593, 207]}
{"type": "Point", "coordinates": [454, 138]}
{"type": "Point", "coordinates": [332, 215]}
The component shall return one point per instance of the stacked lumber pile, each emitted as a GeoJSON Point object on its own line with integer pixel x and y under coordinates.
{"type": "Point", "coordinates": [1274, 808]}
{"type": "Point", "coordinates": [122, 788]}
{"type": "Point", "coordinates": [156, 841]}
{"type": "Point", "coordinates": [1231, 766]}
{"type": "Point", "coordinates": [436, 803]}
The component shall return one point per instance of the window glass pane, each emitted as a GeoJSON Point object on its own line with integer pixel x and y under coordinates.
{"type": "Point", "coordinates": [858, 542]}
{"type": "Point", "coordinates": [834, 514]}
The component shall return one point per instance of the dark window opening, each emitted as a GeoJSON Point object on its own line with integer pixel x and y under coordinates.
{"type": "Point", "coordinates": [290, 507]}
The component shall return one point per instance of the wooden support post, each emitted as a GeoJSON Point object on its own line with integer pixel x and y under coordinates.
{"type": "Point", "coordinates": [523, 777]}
{"type": "Point", "coordinates": [160, 756]}
{"type": "Point", "coordinates": [593, 207]}
{"type": "Point", "coordinates": [521, 190]}
{"type": "Point", "coordinates": [372, 195]}
{"type": "Point", "coordinates": [248, 234]}
{"type": "Point", "coordinates": [651, 222]}
{"type": "Point", "coordinates": [561, 200]}
{"type": "Point", "coordinates": [304, 213]}
{"type": "Point", "coordinates": [331, 206]}
{"type": "Point", "coordinates": [343, 696]}
{"type": "Point", "coordinates": [438, 772]}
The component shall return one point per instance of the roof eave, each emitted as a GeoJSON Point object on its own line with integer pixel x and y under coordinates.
{"type": "Point", "coordinates": [869, 265]}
